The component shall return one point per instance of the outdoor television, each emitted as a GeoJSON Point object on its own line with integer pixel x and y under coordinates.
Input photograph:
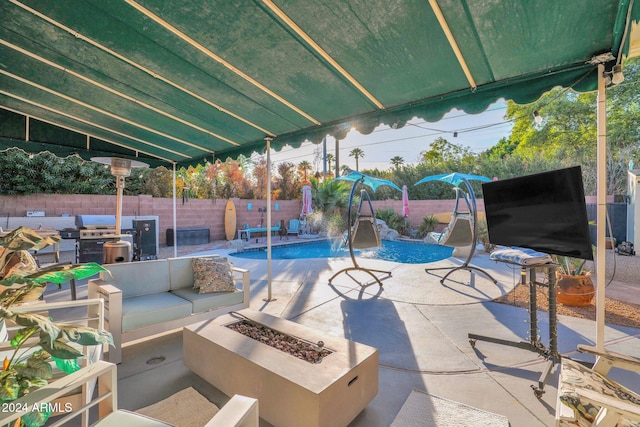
{"type": "Point", "coordinates": [545, 212]}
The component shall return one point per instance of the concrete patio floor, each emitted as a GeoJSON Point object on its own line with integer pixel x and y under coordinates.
{"type": "Point", "coordinates": [419, 326]}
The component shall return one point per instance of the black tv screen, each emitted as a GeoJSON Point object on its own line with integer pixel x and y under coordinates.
{"type": "Point", "coordinates": [545, 212]}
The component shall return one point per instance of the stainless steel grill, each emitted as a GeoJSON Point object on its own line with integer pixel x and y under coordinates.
{"type": "Point", "coordinates": [92, 232]}
{"type": "Point", "coordinates": [95, 221]}
{"type": "Point", "coordinates": [97, 234]}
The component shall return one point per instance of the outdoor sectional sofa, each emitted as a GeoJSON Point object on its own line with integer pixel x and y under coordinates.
{"type": "Point", "coordinates": [150, 297]}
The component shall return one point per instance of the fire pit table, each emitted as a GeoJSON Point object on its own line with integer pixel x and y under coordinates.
{"type": "Point", "coordinates": [290, 391]}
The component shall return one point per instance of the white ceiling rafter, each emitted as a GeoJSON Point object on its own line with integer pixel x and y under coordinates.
{"type": "Point", "coordinates": [324, 54]}
{"type": "Point", "coordinates": [115, 92]}
{"type": "Point", "coordinates": [106, 113]}
{"type": "Point", "coordinates": [452, 42]}
{"type": "Point", "coordinates": [87, 122]}
{"type": "Point", "coordinates": [140, 67]}
{"type": "Point", "coordinates": [218, 59]}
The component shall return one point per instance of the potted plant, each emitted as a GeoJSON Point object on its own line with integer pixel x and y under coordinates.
{"type": "Point", "coordinates": [574, 285]}
{"type": "Point", "coordinates": [14, 249]}
{"type": "Point", "coordinates": [39, 341]}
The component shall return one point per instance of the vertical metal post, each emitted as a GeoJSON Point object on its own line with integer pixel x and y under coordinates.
{"type": "Point", "coordinates": [553, 316]}
{"type": "Point", "coordinates": [337, 158]}
{"type": "Point", "coordinates": [601, 217]}
{"type": "Point", "coordinates": [175, 221]}
{"type": "Point", "coordinates": [268, 196]}
{"type": "Point", "coordinates": [324, 157]}
{"type": "Point", "coordinates": [119, 195]}
{"type": "Point", "coordinates": [533, 304]}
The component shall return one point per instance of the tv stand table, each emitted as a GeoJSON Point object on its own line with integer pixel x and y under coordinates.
{"type": "Point", "coordinates": [535, 344]}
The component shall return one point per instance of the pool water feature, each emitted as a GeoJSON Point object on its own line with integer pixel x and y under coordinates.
{"type": "Point", "coordinates": [405, 252]}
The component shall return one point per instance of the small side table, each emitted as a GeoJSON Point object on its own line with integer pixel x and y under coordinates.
{"type": "Point", "coordinates": [534, 344]}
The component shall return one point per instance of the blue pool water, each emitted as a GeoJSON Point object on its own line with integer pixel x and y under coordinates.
{"type": "Point", "coordinates": [404, 252]}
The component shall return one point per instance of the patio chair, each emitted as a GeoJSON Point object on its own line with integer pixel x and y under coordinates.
{"type": "Point", "coordinates": [365, 233]}
{"type": "Point", "coordinates": [458, 233]}
{"type": "Point", "coordinates": [240, 411]}
{"type": "Point", "coordinates": [587, 397]}
{"type": "Point", "coordinates": [461, 232]}
{"type": "Point", "coordinates": [294, 227]}
{"type": "Point", "coordinates": [362, 235]}
{"type": "Point", "coordinates": [73, 396]}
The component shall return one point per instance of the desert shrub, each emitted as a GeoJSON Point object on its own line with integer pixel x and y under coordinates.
{"type": "Point", "coordinates": [391, 218]}
{"type": "Point", "coordinates": [427, 225]}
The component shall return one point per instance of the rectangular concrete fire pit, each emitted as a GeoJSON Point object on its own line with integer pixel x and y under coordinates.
{"type": "Point", "coordinates": [290, 391]}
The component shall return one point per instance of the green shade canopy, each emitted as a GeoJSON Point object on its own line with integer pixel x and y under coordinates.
{"type": "Point", "coordinates": [184, 81]}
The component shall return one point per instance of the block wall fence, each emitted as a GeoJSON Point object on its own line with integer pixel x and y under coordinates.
{"type": "Point", "coordinates": [192, 213]}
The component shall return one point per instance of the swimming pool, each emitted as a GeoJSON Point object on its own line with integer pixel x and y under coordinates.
{"type": "Point", "coordinates": [398, 251]}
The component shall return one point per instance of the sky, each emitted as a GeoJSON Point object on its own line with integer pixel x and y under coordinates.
{"type": "Point", "coordinates": [477, 132]}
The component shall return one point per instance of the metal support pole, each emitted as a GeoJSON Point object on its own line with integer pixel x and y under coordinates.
{"type": "Point", "coordinates": [175, 221]}
{"type": "Point", "coordinates": [268, 197]}
{"type": "Point", "coordinates": [601, 217]}
{"type": "Point", "coordinates": [553, 316]}
{"type": "Point", "coordinates": [119, 195]}
{"type": "Point", "coordinates": [533, 303]}
{"type": "Point", "coordinates": [324, 157]}
{"type": "Point", "coordinates": [337, 158]}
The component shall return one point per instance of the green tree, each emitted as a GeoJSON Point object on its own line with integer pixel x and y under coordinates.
{"type": "Point", "coordinates": [158, 182]}
{"type": "Point", "coordinates": [567, 135]}
{"type": "Point", "coordinates": [356, 153]}
{"type": "Point", "coordinates": [304, 167]}
{"type": "Point", "coordinates": [329, 195]}
{"type": "Point", "coordinates": [260, 177]}
{"type": "Point", "coordinates": [447, 155]}
{"type": "Point", "coordinates": [286, 183]}
{"type": "Point", "coordinates": [25, 173]}
{"type": "Point", "coordinates": [396, 162]}
{"type": "Point", "coordinates": [330, 158]}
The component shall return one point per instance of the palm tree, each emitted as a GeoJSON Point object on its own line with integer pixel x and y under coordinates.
{"type": "Point", "coordinates": [396, 162]}
{"type": "Point", "coordinates": [330, 158]}
{"type": "Point", "coordinates": [357, 153]}
{"type": "Point", "coordinates": [303, 168]}
{"type": "Point", "coordinates": [286, 181]}
{"type": "Point", "coordinates": [329, 195]}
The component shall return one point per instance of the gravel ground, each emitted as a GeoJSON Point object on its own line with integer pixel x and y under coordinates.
{"type": "Point", "coordinates": [623, 272]}
{"type": "Point", "coordinates": [616, 312]}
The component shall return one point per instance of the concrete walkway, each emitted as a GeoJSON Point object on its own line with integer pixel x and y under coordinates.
{"type": "Point", "coordinates": [419, 326]}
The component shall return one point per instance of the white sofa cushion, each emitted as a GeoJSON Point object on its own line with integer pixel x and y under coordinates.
{"type": "Point", "coordinates": [153, 309]}
{"type": "Point", "coordinates": [211, 301]}
{"type": "Point", "coordinates": [139, 278]}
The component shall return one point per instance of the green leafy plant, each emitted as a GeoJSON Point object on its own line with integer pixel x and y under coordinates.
{"type": "Point", "coordinates": [39, 341]}
{"type": "Point", "coordinates": [391, 218]}
{"type": "Point", "coordinates": [571, 266]}
{"type": "Point", "coordinates": [427, 225]}
{"type": "Point", "coordinates": [482, 235]}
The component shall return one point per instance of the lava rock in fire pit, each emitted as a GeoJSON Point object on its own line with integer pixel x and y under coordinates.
{"type": "Point", "coordinates": [307, 351]}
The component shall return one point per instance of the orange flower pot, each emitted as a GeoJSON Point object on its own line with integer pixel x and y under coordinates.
{"type": "Point", "coordinates": [575, 291]}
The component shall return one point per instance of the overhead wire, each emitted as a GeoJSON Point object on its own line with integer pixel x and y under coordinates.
{"type": "Point", "coordinates": [418, 125]}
